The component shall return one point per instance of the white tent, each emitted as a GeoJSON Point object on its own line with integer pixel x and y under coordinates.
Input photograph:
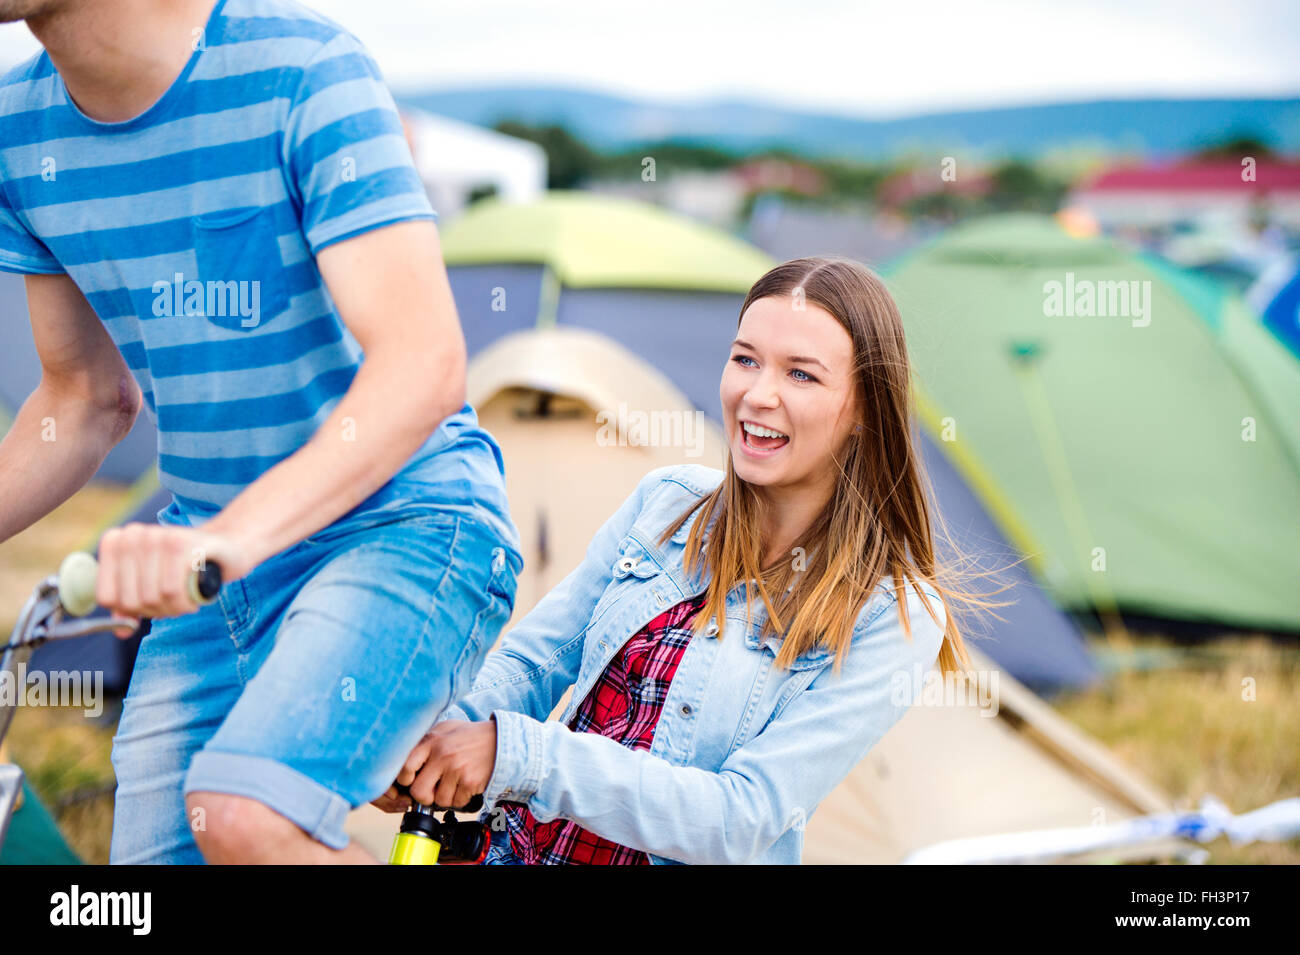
{"type": "Point", "coordinates": [581, 420]}
{"type": "Point", "coordinates": [455, 158]}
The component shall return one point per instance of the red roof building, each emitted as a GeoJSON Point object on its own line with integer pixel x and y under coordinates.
{"type": "Point", "coordinates": [1154, 195]}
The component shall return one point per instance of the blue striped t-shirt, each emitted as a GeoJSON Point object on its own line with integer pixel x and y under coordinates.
{"type": "Point", "coordinates": [192, 230]}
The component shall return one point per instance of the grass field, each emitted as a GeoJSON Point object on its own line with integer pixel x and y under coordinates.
{"type": "Point", "coordinates": [1190, 730]}
{"type": "Point", "coordinates": [1190, 726]}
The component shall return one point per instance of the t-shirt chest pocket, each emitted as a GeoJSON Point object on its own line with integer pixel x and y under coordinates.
{"type": "Point", "coordinates": [241, 284]}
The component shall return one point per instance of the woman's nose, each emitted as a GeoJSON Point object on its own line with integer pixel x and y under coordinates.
{"type": "Point", "coordinates": [763, 393]}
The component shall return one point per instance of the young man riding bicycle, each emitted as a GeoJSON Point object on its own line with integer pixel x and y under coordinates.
{"type": "Point", "coordinates": [164, 151]}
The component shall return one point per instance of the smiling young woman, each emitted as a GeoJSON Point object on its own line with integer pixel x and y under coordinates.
{"type": "Point", "coordinates": [812, 553]}
{"type": "Point", "coordinates": [824, 493]}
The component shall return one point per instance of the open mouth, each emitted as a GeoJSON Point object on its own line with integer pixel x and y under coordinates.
{"type": "Point", "coordinates": [762, 440]}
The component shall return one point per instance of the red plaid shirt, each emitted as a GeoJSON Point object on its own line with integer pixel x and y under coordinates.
{"type": "Point", "coordinates": [624, 705]}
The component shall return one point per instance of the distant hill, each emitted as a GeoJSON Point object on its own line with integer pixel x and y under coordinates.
{"type": "Point", "coordinates": [1152, 126]}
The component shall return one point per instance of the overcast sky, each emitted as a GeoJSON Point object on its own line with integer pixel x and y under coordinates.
{"type": "Point", "coordinates": [845, 56]}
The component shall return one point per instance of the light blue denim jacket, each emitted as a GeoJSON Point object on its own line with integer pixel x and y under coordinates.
{"type": "Point", "coordinates": [743, 753]}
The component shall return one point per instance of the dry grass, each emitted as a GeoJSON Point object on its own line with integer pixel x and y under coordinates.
{"type": "Point", "coordinates": [35, 553]}
{"type": "Point", "coordinates": [1195, 730]}
{"type": "Point", "coordinates": [66, 759]}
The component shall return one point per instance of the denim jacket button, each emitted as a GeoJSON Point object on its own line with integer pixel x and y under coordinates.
{"type": "Point", "coordinates": [711, 630]}
{"type": "Point", "coordinates": [626, 564]}
{"type": "Point", "coordinates": [686, 709]}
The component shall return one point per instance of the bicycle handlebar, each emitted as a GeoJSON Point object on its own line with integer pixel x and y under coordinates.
{"type": "Point", "coordinates": [79, 572]}
{"type": "Point", "coordinates": [474, 805]}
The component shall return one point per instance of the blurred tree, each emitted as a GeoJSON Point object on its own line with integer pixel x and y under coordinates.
{"type": "Point", "coordinates": [941, 206]}
{"type": "Point", "coordinates": [1018, 185]}
{"type": "Point", "coordinates": [668, 154]}
{"type": "Point", "coordinates": [852, 181]}
{"type": "Point", "coordinates": [1236, 145]}
{"type": "Point", "coordinates": [486, 191]}
{"type": "Point", "coordinates": [569, 161]}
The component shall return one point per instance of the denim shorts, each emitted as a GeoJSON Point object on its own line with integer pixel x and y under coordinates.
{"type": "Point", "coordinates": [307, 683]}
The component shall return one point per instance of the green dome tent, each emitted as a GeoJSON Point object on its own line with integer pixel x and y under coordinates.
{"type": "Point", "coordinates": [587, 240]}
{"type": "Point", "coordinates": [1144, 429]}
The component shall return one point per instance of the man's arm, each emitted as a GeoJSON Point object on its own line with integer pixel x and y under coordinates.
{"type": "Point", "coordinates": [391, 289]}
{"type": "Point", "coordinates": [86, 403]}
{"type": "Point", "coordinates": [388, 283]}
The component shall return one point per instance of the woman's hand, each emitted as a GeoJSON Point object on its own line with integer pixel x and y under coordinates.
{"type": "Point", "coordinates": [448, 767]}
{"type": "Point", "coordinates": [144, 569]}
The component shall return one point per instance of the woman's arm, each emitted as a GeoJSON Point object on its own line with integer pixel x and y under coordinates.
{"type": "Point", "coordinates": [766, 786]}
{"type": "Point", "coordinates": [539, 658]}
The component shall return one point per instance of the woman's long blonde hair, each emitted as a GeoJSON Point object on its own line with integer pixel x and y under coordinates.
{"type": "Point", "coordinates": [876, 522]}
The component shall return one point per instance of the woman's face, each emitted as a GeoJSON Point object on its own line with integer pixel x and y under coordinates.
{"type": "Point", "coordinates": [789, 378]}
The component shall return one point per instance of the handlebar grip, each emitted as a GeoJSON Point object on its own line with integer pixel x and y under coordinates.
{"type": "Point", "coordinates": [76, 583]}
{"type": "Point", "coordinates": [474, 805]}
{"type": "Point", "coordinates": [205, 583]}
{"type": "Point", "coordinates": [79, 572]}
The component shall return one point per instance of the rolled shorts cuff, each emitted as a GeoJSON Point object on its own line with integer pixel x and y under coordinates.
{"type": "Point", "coordinates": [316, 810]}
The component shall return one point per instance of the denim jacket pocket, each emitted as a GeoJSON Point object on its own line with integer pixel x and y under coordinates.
{"type": "Point", "coordinates": [632, 566]}
{"type": "Point", "coordinates": [633, 560]}
{"type": "Point", "coordinates": [241, 272]}
{"type": "Point", "coordinates": [813, 658]}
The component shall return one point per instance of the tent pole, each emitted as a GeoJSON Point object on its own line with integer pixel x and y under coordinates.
{"type": "Point", "coordinates": [964, 460]}
{"type": "Point", "coordinates": [548, 301]}
{"type": "Point", "coordinates": [1058, 468]}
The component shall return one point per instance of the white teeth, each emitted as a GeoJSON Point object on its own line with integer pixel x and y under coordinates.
{"type": "Point", "coordinates": [762, 432]}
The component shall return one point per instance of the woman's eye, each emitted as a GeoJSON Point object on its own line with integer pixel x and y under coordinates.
{"type": "Point", "coordinates": [741, 359]}
{"type": "Point", "coordinates": [800, 371]}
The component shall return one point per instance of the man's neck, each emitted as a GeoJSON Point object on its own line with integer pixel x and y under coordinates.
{"type": "Point", "coordinates": [118, 57]}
